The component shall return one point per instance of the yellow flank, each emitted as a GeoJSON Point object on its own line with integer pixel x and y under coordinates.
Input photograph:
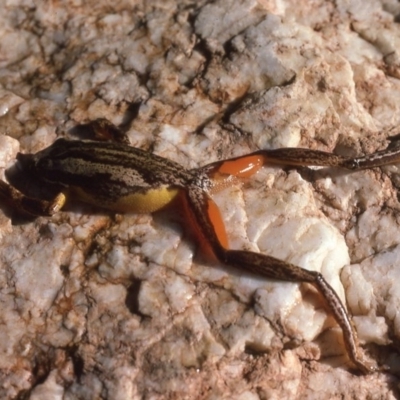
{"type": "Point", "coordinates": [152, 200]}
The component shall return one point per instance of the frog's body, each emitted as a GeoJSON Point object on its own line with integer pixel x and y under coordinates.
{"type": "Point", "coordinates": [101, 173]}
{"type": "Point", "coordinates": [126, 179]}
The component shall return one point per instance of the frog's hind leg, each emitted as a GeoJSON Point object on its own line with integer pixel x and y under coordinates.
{"type": "Point", "coordinates": [207, 216]}
{"type": "Point", "coordinates": [246, 165]}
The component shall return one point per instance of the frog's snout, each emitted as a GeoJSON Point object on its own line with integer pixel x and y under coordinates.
{"type": "Point", "coordinates": [26, 160]}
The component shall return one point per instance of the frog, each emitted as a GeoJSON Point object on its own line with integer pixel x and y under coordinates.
{"type": "Point", "coordinates": [109, 173]}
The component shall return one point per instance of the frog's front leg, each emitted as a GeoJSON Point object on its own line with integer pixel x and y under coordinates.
{"type": "Point", "coordinates": [103, 130]}
{"type": "Point", "coordinates": [30, 205]}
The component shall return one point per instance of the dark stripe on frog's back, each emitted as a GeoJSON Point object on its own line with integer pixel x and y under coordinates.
{"type": "Point", "coordinates": [109, 170]}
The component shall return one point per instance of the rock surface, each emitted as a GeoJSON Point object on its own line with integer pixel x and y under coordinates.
{"type": "Point", "coordinates": [124, 307]}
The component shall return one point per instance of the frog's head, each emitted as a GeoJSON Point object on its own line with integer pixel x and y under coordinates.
{"type": "Point", "coordinates": [43, 160]}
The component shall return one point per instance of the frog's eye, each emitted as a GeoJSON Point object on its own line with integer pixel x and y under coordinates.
{"type": "Point", "coordinates": [44, 164]}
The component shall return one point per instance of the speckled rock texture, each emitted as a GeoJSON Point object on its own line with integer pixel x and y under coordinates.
{"type": "Point", "coordinates": [101, 306]}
